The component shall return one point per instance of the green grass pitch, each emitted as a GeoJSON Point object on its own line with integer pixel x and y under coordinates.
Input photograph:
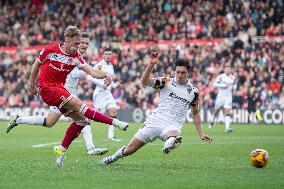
{"type": "Point", "coordinates": [195, 164]}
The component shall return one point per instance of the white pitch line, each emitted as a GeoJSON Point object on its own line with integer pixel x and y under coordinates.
{"type": "Point", "coordinates": [49, 144]}
{"type": "Point", "coordinates": [154, 143]}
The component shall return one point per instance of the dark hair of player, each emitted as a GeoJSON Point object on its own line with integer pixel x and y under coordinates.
{"type": "Point", "coordinates": [182, 62]}
{"type": "Point", "coordinates": [108, 49]}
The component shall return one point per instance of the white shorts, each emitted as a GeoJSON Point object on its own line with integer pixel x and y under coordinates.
{"type": "Point", "coordinates": [223, 102]}
{"type": "Point", "coordinates": [149, 132]}
{"type": "Point", "coordinates": [103, 102]}
{"type": "Point", "coordinates": [54, 109]}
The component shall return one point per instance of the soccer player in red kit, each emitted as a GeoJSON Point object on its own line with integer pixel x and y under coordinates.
{"type": "Point", "coordinates": [55, 62]}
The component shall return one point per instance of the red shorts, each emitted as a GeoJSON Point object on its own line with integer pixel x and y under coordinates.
{"type": "Point", "coordinates": [55, 96]}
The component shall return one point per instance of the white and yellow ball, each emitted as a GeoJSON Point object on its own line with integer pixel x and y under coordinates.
{"type": "Point", "coordinates": [259, 158]}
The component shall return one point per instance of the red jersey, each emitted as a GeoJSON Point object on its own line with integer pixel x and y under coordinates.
{"type": "Point", "coordinates": [56, 65]}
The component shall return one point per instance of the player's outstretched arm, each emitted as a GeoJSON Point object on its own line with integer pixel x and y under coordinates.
{"type": "Point", "coordinates": [76, 73]}
{"type": "Point", "coordinates": [199, 128]}
{"type": "Point", "coordinates": [94, 73]}
{"type": "Point", "coordinates": [153, 59]}
{"type": "Point", "coordinates": [34, 73]}
{"type": "Point", "coordinates": [99, 82]}
{"type": "Point", "coordinates": [96, 81]}
{"type": "Point", "coordinates": [197, 120]}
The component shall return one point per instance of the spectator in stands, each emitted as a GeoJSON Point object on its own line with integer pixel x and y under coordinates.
{"type": "Point", "coordinates": [273, 85]}
{"type": "Point", "coordinates": [29, 23]}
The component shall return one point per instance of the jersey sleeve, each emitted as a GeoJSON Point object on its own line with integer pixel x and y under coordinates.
{"type": "Point", "coordinates": [81, 62]}
{"type": "Point", "coordinates": [160, 82]}
{"type": "Point", "coordinates": [194, 105]}
{"type": "Point", "coordinates": [111, 71]}
{"type": "Point", "coordinates": [98, 66]}
{"type": "Point", "coordinates": [98, 82]}
{"type": "Point", "coordinates": [76, 73]}
{"type": "Point", "coordinates": [44, 53]}
{"type": "Point", "coordinates": [113, 85]}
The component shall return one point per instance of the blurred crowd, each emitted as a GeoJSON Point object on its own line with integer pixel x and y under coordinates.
{"type": "Point", "coordinates": [37, 22]}
{"type": "Point", "coordinates": [257, 65]}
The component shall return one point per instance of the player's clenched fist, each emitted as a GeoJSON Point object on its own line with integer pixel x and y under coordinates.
{"type": "Point", "coordinates": [107, 80]}
{"type": "Point", "coordinates": [153, 54]}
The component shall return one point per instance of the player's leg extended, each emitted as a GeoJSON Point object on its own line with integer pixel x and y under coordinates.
{"type": "Point", "coordinates": [48, 121]}
{"type": "Point", "coordinates": [53, 116]}
{"type": "Point", "coordinates": [78, 106]}
{"type": "Point", "coordinates": [173, 140]}
{"type": "Point", "coordinates": [228, 115]}
{"type": "Point", "coordinates": [60, 97]}
{"type": "Point", "coordinates": [88, 138]}
{"type": "Point", "coordinates": [17, 120]}
{"type": "Point", "coordinates": [134, 145]}
{"type": "Point", "coordinates": [74, 129]}
{"type": "Point", "coordinates": [112, 113]}
{"type": "Point", "coordinates": [214, 117]}
{"type": "Point", "coordinates": [72, 133]}
{"type": "Point", "coordinates": [143, 136]}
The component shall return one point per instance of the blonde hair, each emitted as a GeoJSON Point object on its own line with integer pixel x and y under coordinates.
{"type": "Point", "coordinates": [72, 32]}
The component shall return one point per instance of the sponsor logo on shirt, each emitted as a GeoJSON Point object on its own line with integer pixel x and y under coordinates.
{"type": "Point", "coordinates": [61, 69]}
{"type": "Point", "coordinates": [173, 95]}
{"type": "Point", "coordinates": [70, 60]}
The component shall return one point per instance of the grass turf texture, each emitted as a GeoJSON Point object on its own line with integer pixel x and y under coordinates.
{"type": "Point", "coordinates": [195, 164]}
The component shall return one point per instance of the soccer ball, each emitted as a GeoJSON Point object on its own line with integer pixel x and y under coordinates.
{"type": "Point", "coordinates": [259, 158]}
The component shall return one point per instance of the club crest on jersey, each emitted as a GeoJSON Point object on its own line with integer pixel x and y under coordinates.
{"type": "Point", "coordinates": [70, 60]}
{"type": "Point", "coordinates": [189, 89]}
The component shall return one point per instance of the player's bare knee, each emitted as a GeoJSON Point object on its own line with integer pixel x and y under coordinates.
{"type": "Point", "coordinates": [173, 133]}
{"type": "Point", "coordinates": [78, 105]}
{"type": "Point", "coordinates": [112, 113]}
{"type": "Point", "coordinates": [49, 123]}
{"type": "Point", "coordinates": [130, 149]}
{"type": "Point", "coordinates": [216, 111]}
{"type": "Point", "coordinates": [227, 112]}
{"type": "Point", "coordinates": [74, 104]}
